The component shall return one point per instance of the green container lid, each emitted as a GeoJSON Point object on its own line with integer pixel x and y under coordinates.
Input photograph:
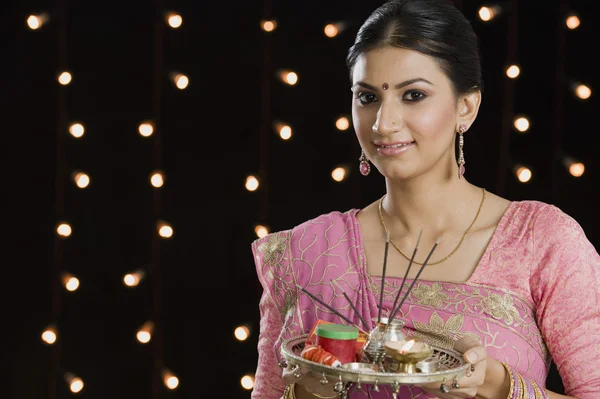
{"type": "Point", "coordinates": [337, 331]}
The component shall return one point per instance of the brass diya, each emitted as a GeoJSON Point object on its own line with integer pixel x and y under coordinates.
{"type": "Point", "coordinates": [407, 354]}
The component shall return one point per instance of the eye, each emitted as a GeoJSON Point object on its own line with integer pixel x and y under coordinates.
{"type": "Point", "coordinates": [366, 98]}
{"type": "Point", "coordinates": [414, 96]}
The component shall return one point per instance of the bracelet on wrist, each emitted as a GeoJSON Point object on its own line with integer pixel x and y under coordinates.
{"type": "Point", "coordinates": [522, 387]}
{"type": "Point", "coordinates": [288, 393]}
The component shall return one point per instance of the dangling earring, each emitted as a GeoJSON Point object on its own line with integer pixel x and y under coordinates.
{"type": "Point", "coordinates": [364, 167]}
{"type": "Point", "coordinates": [461, 154]}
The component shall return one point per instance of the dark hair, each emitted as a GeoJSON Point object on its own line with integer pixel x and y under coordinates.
{"type": "Point", "coordinates": [432, 27]}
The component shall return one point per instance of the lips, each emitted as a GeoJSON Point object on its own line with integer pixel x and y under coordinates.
{"type": "Point", "coordinates": [392, 149]}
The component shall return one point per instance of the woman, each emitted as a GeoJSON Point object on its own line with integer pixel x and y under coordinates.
{"type": "Point", "coordinates": [511, 285]}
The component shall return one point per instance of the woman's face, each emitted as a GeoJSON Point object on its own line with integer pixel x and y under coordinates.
{"type": "Point", "coordinates": [404, 112]}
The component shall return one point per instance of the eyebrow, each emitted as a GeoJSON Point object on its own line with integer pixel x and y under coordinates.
{"type": "Point", "coordinates": [398, 86]}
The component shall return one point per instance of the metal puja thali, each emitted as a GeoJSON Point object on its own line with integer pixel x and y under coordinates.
{"type": "Point", "coordinates": [443, 365]}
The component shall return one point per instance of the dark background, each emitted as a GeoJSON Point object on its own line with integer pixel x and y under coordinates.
{"type": "Point", "coordinates": [201, 283]}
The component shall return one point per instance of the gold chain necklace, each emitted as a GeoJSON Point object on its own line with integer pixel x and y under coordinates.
{"type": "Point", "coordinates": [451, 253]}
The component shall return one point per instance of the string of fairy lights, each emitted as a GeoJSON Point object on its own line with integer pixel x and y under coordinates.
{"type": "Point", "coordinates": [148, 331]}
{"type": "Point", "coordinates": [150, 129]}
{"type": "Point", "coordinates": [518, 123]}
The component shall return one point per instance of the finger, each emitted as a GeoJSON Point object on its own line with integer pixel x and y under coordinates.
{"type": "Point", "coordinates": [465, 343]}
{"type": "Point", "coordinates": [293, 373]}
{"type": "Point", "coordinates": [472, 350]}
{"type": "Point", "coordinates": [475, 354]}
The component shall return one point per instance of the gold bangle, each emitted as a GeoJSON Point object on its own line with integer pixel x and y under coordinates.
{"type": "Point", "coordinates": [524, 392]}
{"type": "Point", "coordinates": [512, 381]}
{"type": "Point", "coordinates": [539, 394]}
{"type": "Point", "coordinates": [289, 392]}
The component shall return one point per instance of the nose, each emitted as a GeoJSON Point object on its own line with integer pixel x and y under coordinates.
{"type": "Point", "coordinates": [389, 119]}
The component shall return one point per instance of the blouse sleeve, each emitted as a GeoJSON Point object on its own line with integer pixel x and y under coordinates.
{"type": "Point", "coordinates": [268, 383]}
{"type": "Point", "coordinates": [566, 289]}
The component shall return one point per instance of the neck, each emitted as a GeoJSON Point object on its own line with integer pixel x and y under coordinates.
{"type": "Point", "coordinates": [436, 207]}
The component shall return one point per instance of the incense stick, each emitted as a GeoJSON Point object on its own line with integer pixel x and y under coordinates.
{"type": "Point", "coordinates": [385, 255]}
{"type": "Point", "coordinates": [412, 258]}
{"type": "Point", "coordinates": [415, 279]}
{"type": "Point", "coordinates": [351, 304]}
{"type": "Point", "coordinates": [330, 308]}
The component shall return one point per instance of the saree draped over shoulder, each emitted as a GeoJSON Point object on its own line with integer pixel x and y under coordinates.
{"type": "Point", "coordinates": [533, 298]}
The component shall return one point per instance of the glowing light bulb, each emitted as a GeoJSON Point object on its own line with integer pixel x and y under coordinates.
{"type": "Point", "coordinates": [513, 71]}
{"type": "Point", "coordinates": [283, 129]}
{"type": "Point", "coordinates": [285, 133]}
{"type": "Point", "coordinates": [157, 179]}
{"type": "Point", "coordinates": [242, 333]}
{"type": "Point", "coordinates": [76, 130]}
{"type": "Point", "coordinates": [181, 81]}
{"type": "Point", "coordinates": [65, 78]}
{"type": "Point", "coordinates": [521, 124]}
{"type": "Point", "coordinates": [133, 279]}
{"type": "Point", "coordinates": [35, 22]}
{"type": "Point", "coordinates": [146, 129]}
{"type": "Point", "coordinates": [164, 230]}
{"type": "Point", "coordinates": [70, 282]}
{"type": "Point", "coordinates": [170, 380]}
{"type": "Point", "coordinates": [573, 22]}
{"type": "Point", "coordinates": [291, 78]}
{"type": "Point", "coordinates": [261, 230]}
{"type": "Point", "coordinates": [144, 334]}
{"type": "Point", "coordinates": [75, 383]}
{"type": "Point", "coordinates": [63, 230]}
{"type": "Point", "coordinates": [331, 30]}
{"type": "Point", "coordinates": [247, 382]}
{"type": "Point", "coordinates": [342, 123]}
{"type": "Point", "coordinates": [583, 92]}
{"type": "Point", "coordinates": [339, 174]}
{"type": "Point", "coordinates": [485, 14]}
{"type": "Point", "coordinates": [576, 169]}
{"type": "Point", "coordinates": [81, 179]}
{"type": "Point", "coordinates": [268, 26]}
{"type": "Point", "coordinates": [523, 174]}
{"type": "Point", "coordinates": [49, 335]}
{"type": "Point", "coordinates": [288, 77]}
{"type": "Point", "coordinates": [174, 20]}
{"type": "Point", "coordinates": [251, 183]}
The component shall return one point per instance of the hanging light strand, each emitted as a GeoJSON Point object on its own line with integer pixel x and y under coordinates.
{"type": "Point", "coordinates": [156, 343]}
{"type": "Point", "coordinates": [60, 181]}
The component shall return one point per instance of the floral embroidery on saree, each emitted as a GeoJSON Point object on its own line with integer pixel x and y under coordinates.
{"type": "Point", "coordinates": [442, 334]}
{"type": "Point", "coordinates": [273, 248]}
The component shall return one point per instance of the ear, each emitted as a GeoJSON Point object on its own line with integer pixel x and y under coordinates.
{"type": "Point", "coordinates": [468, 107]}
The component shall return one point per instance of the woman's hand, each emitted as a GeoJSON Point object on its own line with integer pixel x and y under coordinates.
{"type": "Point", "coordinates": [307, 383]}
{"type": "Point", "coordinates": [488, 378]}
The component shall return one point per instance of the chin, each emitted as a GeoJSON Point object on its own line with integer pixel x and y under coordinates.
{"type": "Point", "coordinates": [396, 173]}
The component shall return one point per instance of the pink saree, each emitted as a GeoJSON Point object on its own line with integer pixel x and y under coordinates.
{"type": "Point", "coordinates": [533, 297]}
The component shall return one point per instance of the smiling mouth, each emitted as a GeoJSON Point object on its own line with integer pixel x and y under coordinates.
{"type": "Point", "coordinates": [395, 145]}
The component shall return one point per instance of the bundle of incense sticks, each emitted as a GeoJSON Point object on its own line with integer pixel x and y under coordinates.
{"type": "Point", "coordinates": [339, 287]}
{"type": "Point", "coordinates": [412, 258]}
{"type": "Point", "coordinates": [341, 316]}
{"type": "Point", "coordinates": [397, 309]}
